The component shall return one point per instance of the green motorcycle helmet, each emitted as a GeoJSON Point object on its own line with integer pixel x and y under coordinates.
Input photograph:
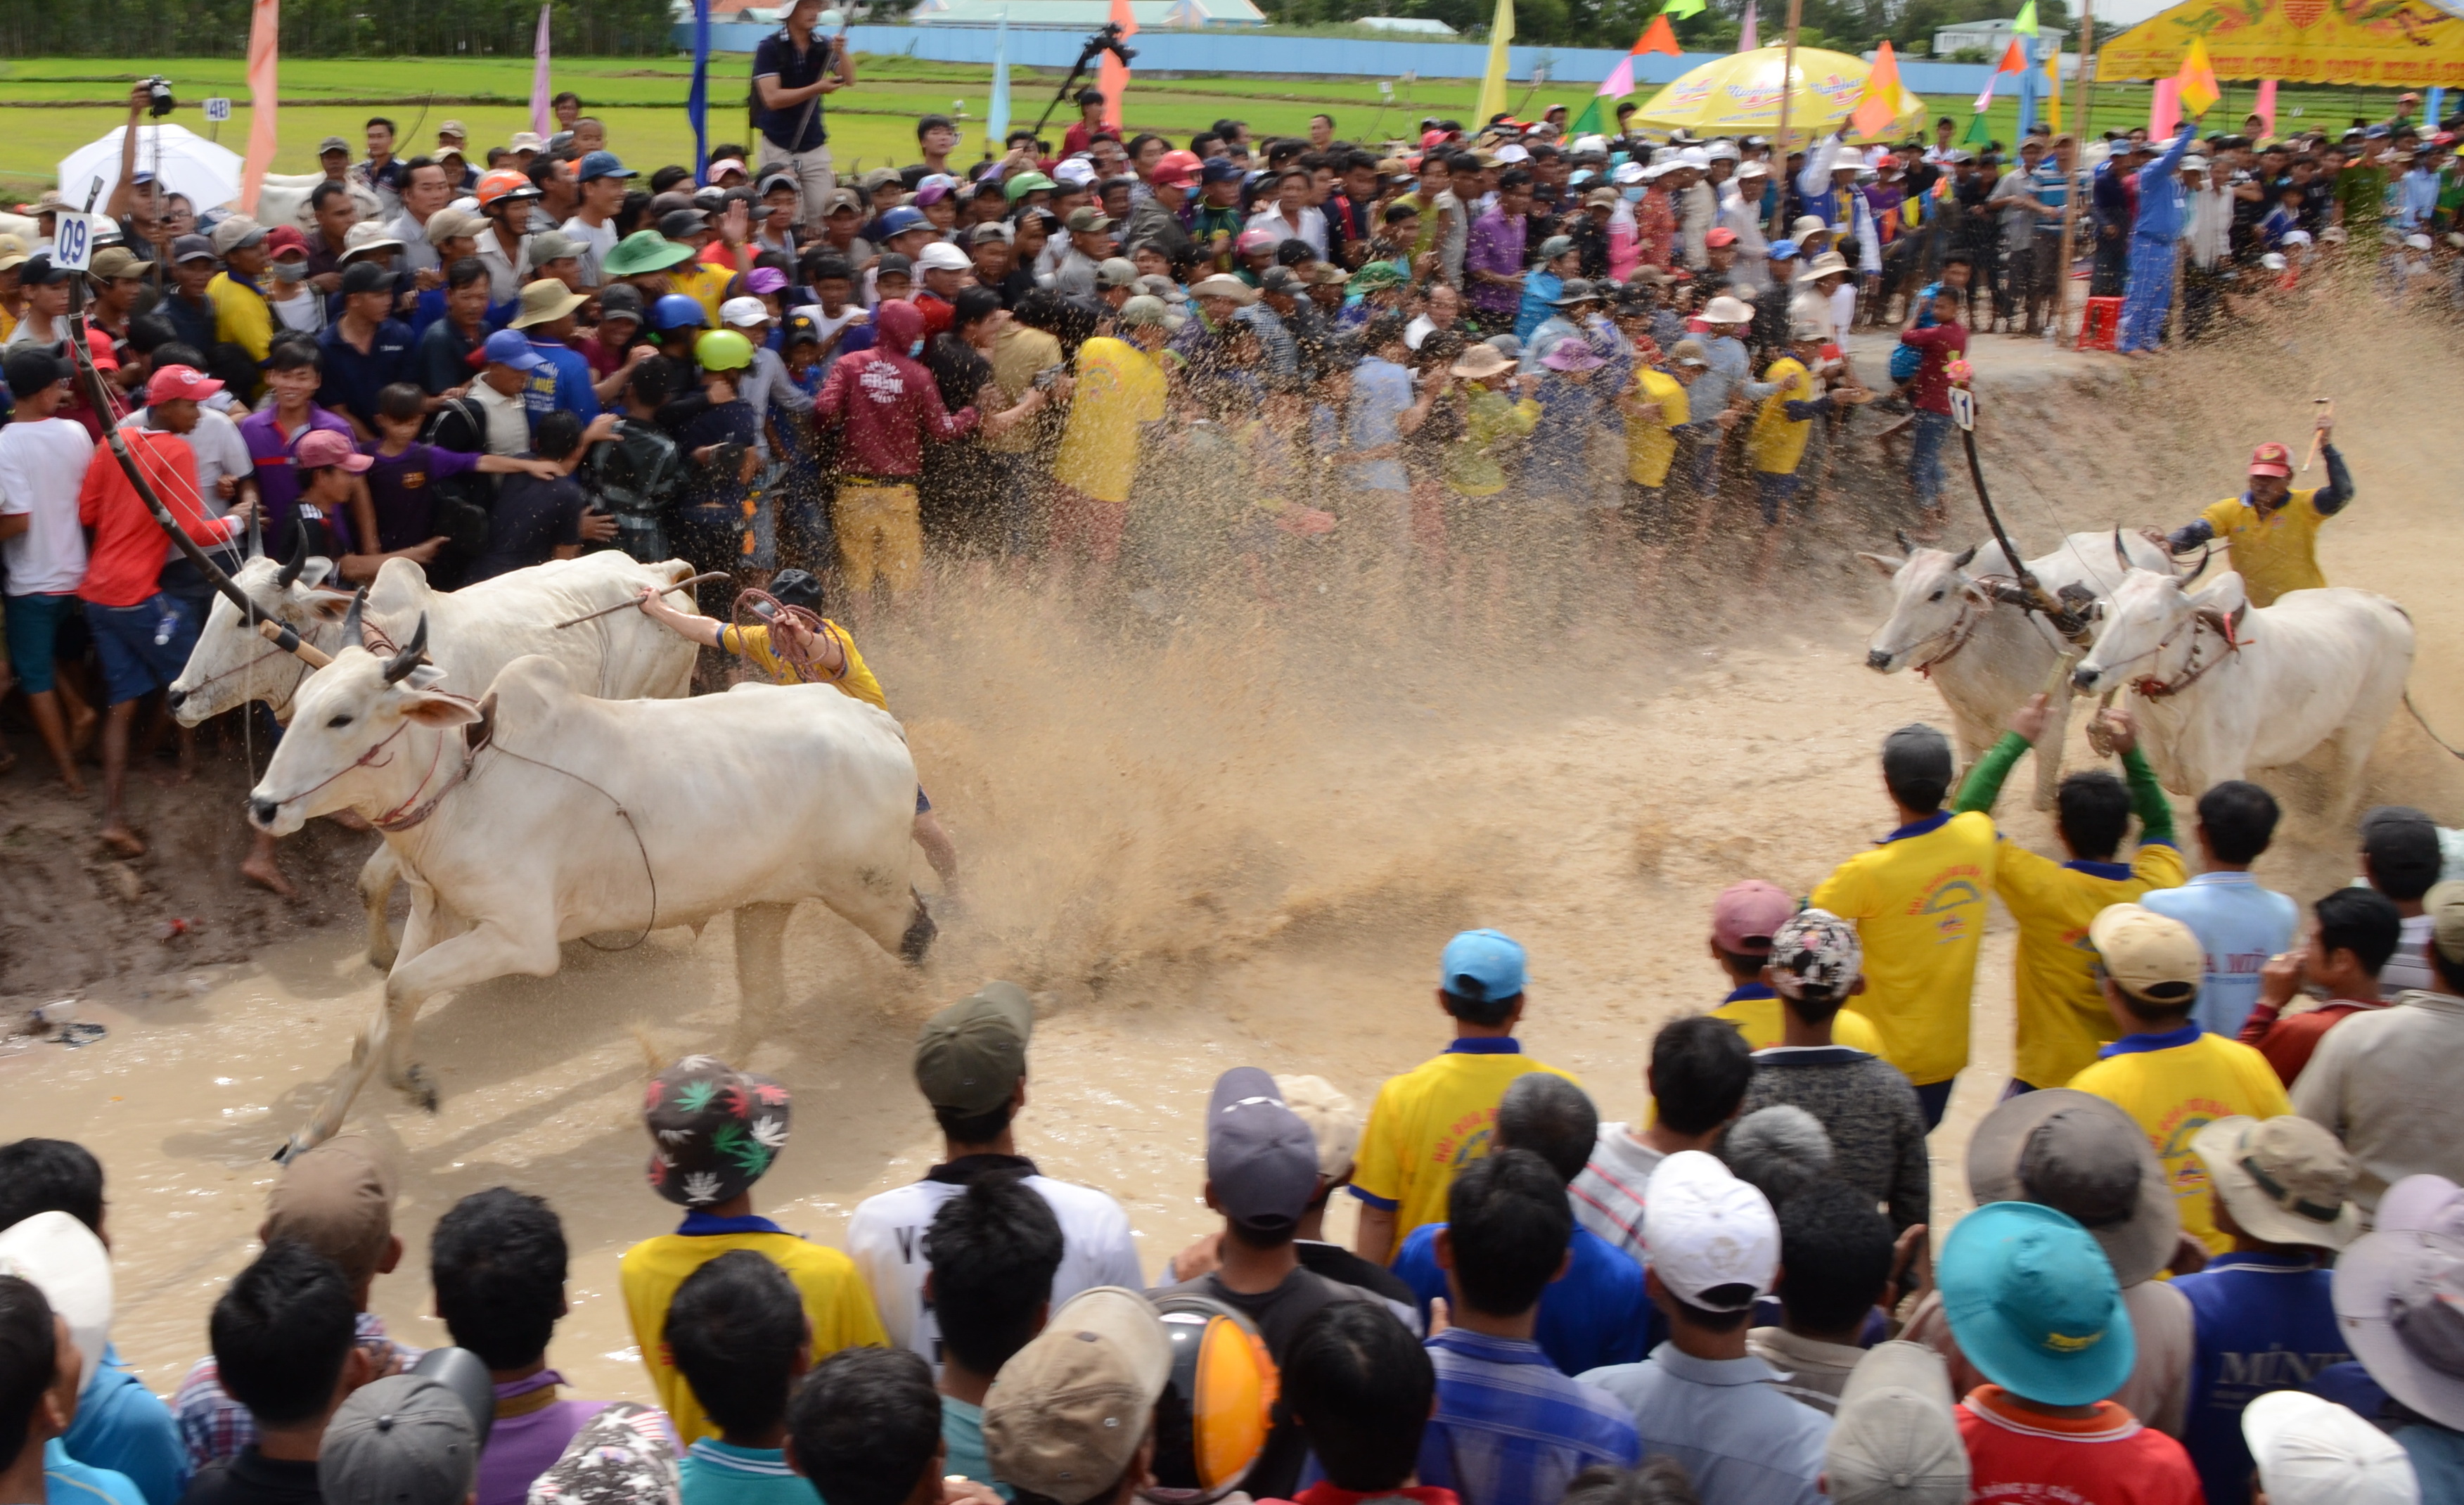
{"type": "Point", "coordinates": [722, 350]}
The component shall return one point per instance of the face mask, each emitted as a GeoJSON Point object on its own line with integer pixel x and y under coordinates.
{"type": "Point", "coordinates": [290, 271]}
{"type": "Point", "coordinates": [1633, 194]}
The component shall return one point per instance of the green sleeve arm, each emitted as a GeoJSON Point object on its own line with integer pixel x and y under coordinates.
{"type": "Point", "coordinates": [1984, 783]}
{"type": "Point", "coordinates": [2147, 800]}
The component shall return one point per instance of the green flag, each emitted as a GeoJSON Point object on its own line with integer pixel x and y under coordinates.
{"type": "Point", "coordinates": [2026, 24]}
{"type": "Point", "coordinates": [1976, 135]}
{"type": "Point", "coordinates": [1682, 7]}
{"type": "Point", "coordinates": [1589, 121]}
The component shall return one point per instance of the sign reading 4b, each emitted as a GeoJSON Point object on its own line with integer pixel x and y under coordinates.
{"type": "Point", "coordinates": [218, 109]}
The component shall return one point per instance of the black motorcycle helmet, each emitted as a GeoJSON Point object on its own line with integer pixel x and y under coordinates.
{"type": "Point", "coordinates": [794, 588]}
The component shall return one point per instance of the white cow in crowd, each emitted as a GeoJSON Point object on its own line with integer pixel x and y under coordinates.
{"type": "Point", "coordinates": [2225, 690]}
{"type": "Point", "coordinates": [1985, 655]}
{"type": "Point", "coordinates": [540, 814]}
{"type": "Point", "coordinates": [474, 632]}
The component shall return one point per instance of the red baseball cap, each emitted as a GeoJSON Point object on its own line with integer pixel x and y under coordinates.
{"type": "Point", "coordinates": [1722, 236]}
{"type": "Point", "coordinates": [2271, 459]}
{"type": "Point", "coordinates": [322, 447]}
{"type": "Point", "coordinates": [1433, 138]}
{"type": "Point", "coordinates": [283, 237]}
{"type": "Point", "coordinates": [1746, 916]}
{"type": "Point", "coordinates": [173, 383]}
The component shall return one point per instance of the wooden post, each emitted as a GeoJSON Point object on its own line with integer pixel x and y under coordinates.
{"type": "Point", "coordinates": [2073, 191]}
{"type": "Point", "coordinates": [1779, 141]}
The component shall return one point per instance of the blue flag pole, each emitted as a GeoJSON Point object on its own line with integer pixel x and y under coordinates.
{"type": "Point", "coordinates": [996, 108]}
{"type": "Point", "coordinates": [2032, 88]}
{"type": "Point", "coordinates": [697, 100]}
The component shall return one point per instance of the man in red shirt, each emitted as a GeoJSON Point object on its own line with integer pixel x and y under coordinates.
{"type": "Point", "coordinates": [888, 404]}
{"type": "Point", "coordinates": [142, 633]}
{"type": "Point", "coordinates": [1930, 391]}
{"type": "Point", "coordinates": [2033, 1305]}
{"type": "Point", "coordinates": [2357, 931]}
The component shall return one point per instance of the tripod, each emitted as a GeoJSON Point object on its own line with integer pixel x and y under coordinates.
{"type": "Point", "coordinates": [1107, 40]}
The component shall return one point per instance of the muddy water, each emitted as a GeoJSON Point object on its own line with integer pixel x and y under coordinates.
{"type": "Point", "coordinates": [1239, 835]}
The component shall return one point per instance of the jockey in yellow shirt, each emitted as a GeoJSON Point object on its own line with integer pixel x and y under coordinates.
{"type": "Point", "coordinates": [2273, 528]}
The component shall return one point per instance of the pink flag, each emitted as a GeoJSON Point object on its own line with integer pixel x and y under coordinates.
{"type": "Point", "coordinates": [1112, 75]}
{"type": "Point", "coordinates": [543, 117]}
{"type": "Point", "coordinates": [1620, 80]}
{"type": "Point", "coordinates": [264, 38]}
{"type": "Point", "coordinates": [1750, 37]}
{"type": "Point", "coordinates": [2265, 108]}
{"type": "Point", "coordinates": [2165, 110]}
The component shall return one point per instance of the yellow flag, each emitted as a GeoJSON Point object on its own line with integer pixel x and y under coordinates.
{"type": "Point", "coordinates": [2198, 80]}
{"type": "Point", "coordinates": [1492, 83]}
{"type": "Point", "coordinates": [2053, 91]}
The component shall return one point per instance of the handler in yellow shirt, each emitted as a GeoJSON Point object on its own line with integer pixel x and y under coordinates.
{"type": "Point", "coordinates": [1917, 902]}
{"type": "Point", "coordinates": [1743, 918]}
{"type": "Point", "coordinates": [1435, 1120]}
{"type": "Point", "coordinates": [791, 652]}
{"type": "Point", "coordinates": [1776, 445]}
{"type": "Point", "coordinates": [242, 316]}
{"type": "Point", "coordinates": [714, 1132]}
{"type": "Point", "coordinates": [2274, 529]}
{"type": "Point", "coordinates": [2165, 1071]}
{"type": "Point", "coordinates": [2061, 1015]}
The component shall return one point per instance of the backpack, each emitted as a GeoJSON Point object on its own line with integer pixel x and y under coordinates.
{"type": "Point", "coordinates": [465, 504]}
{"type": "Point", "coordinates": [635, 477]}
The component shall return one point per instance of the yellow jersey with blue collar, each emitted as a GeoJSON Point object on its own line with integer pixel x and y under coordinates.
{"type": "Point", "coordinates": [1432, 1122]}
{"type": "Point", "coordinates": [2273, 554]}
{"type": "Point", "coordinates": [1917, 902]}
{"type": "Point", "coordinates": [2176, 1084]}
{"type": "Point", "coordinates": [753, 645]}
{"type": "Point", "coordinates": [1757, 1013]}
{"type": "Point", "coordinates": [2061, 1017]}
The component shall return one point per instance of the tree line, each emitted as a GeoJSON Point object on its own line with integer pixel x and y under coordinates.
{"type": "Point", "coordinates": [1848, 26]}
{"type": "Point", "coordinates": [331, 28]}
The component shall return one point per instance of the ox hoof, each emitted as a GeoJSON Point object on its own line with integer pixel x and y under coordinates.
{"type": "Point", "coordinates": [382, 961]}
{"type": "Point", "coordinates": [419, 1086]}
{"type": "Point", "coordinates": [918, 938]}
{"type": "Point", "coordinates": [291, 1148]}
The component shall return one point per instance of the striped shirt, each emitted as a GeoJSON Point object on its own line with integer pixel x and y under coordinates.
{"type": "Point", "coordinates": [214, 1427]}
{"type": "Point", "coordinates": [1608, 1194]}
{"type": "Point", "coordinates": [1510, 1429]}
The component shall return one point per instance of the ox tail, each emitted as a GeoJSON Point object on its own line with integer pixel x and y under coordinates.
{"type": "Point", "coordinates": [2424, 723]}
{"type": "Point", "coordinates": [920, 932]}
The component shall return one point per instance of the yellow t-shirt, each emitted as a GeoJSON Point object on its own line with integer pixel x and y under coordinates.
{"type": "Point", "coordinates": [2061, 1015]}
{"type": "Point", "coordinates": [1430, 1122]}
{"type": "Point", "coordinates": [1119, 387]}
{"type": "Point", "coordinates": [1649, 445]}
{"type": "Point", "coordinates": [1759, 1020]}
{"type": "Point", "coordinates": [241, 316]}
{"type": "Point", "coordinates": [2273, 554]}
{"type": "Point", "coordinates": [1777, 441]}
{"type": "Point", "coordinates": [705, 284]}
{"type": "Point", "coordinates": [2174, 1091]}
{"type": "Point", "coordinates": [753, 643]}
{"type": "Point", "coordinates": [835, 1298]}
{"type": "Point", "coordinates": [1918, 902]}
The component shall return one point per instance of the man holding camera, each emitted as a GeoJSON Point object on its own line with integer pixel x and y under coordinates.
{"type": "Point", "coordinates": [791, 72]}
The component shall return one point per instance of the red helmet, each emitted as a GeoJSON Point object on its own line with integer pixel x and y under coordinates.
{"type": "Point", "coordinates": [504, 184]}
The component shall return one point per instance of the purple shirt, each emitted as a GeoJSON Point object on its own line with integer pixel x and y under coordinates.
{"type": "Point", "coordinates": [1496, 246]}
{"type": "Point", "coordinates": [403, 489]}
{"type": "Point", "coordinates": [521, 1447]}
{"type": "Point", "coordinates": [277, 482]}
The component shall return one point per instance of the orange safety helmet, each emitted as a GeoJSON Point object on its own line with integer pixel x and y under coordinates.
{"type": "Point", "coordinates": [504, 183]}
{"type": "Point", "coordinates": [1216, 1411]}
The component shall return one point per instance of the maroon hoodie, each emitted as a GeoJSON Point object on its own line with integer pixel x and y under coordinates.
{"type": "Point", "coordinates": [887, 402]}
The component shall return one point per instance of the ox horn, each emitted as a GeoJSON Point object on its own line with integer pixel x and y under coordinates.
{"type": "Point", "coordinates": [2206, 554]}
{"type": "Point", "coordinates": [1967, 557]}
{"type": "Point", "coordinates": [399, 666]}
{"type": "Point", "coordinates": [2119, 552]}
{"type": "Point", "coordinates": [352, 636]}
{"type": "Point", "coordinates": [255, 534]}
{"type": "Point", "coordinates": [298, 561]}
{"type": "Point", "coordinates": [1902, 534]}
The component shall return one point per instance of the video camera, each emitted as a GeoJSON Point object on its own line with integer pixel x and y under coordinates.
{"type": "Point", "coordinates": [159, 91]}
{"type": "Point", "coordinates": [1107, 40]}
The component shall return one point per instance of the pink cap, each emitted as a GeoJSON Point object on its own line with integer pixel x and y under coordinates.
{"type": "Point", "coordinates": [173, 383]}
{"type": "Point", "coordinates": [319, 448]}
{"type": "Point", "coordinates": [1746, 915]}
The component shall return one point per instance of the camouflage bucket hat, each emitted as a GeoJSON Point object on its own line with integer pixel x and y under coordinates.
{"type": "Point", "coordinates": [714, 1130]}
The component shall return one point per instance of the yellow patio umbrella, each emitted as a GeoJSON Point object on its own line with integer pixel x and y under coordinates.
{"type": "Point", "coordinates": [2390, 43]}
{"type": "Point", "coordinates": [1739, 96]}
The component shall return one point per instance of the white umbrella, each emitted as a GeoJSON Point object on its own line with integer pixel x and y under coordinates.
{"type": "Point", "coordinates": [190, 164]}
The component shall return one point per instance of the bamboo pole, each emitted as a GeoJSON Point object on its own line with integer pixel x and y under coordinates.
{"type": "Point", "coordinates": [1779, 141]}
{"type": "Point", "coordinates": [2072, 192]}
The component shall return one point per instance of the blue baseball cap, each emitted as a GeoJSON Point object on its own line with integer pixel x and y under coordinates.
{"type": "Point", "coordinates": [513, 348]}
{"type": "Point", "coordinates": [601, 165]}
{"type": "Point", "coordinates": [2034, 1306]}
{"type": "Point", "coordinates": [902, 219]}
{"type": "Point", "coordinates": [1782, 250]}
{"type": "Point", "coordinates": [1482, 965]}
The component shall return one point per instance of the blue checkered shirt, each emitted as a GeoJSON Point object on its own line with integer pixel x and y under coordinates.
{"type": "Point", "coordinates": [1513, 1430]}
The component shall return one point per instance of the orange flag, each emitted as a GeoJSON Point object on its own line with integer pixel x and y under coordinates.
{"type": "Point", "coordinates": [1112, 75]}
{"type": "Point", "coordinates": [1880, 104]}
{"type": "Point", "coordinates": [264, 34]}
{"type": "Point", "coordinates": [2014, 60]}
{"type": "Point", "coordinates": [1659, 37]}
{"type": "Point", "coordinates": [2196, 82]}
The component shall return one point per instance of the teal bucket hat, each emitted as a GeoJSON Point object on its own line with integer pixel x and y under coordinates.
{"type": "Point", "coordinates": [2033, 1304]}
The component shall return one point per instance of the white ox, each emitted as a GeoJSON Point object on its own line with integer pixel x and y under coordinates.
{"type": "Point", "coordinates": [474, 632]}
{"type": "Point", "coordinates": [1985, 655]}
{"type": "Point", "coordinates": [2225, 690]}
{"type": "Point", "coordinates": [540, 814]}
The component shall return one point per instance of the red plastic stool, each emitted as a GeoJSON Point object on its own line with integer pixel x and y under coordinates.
{"type": "Point", "coordinates": [2103, 324]}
